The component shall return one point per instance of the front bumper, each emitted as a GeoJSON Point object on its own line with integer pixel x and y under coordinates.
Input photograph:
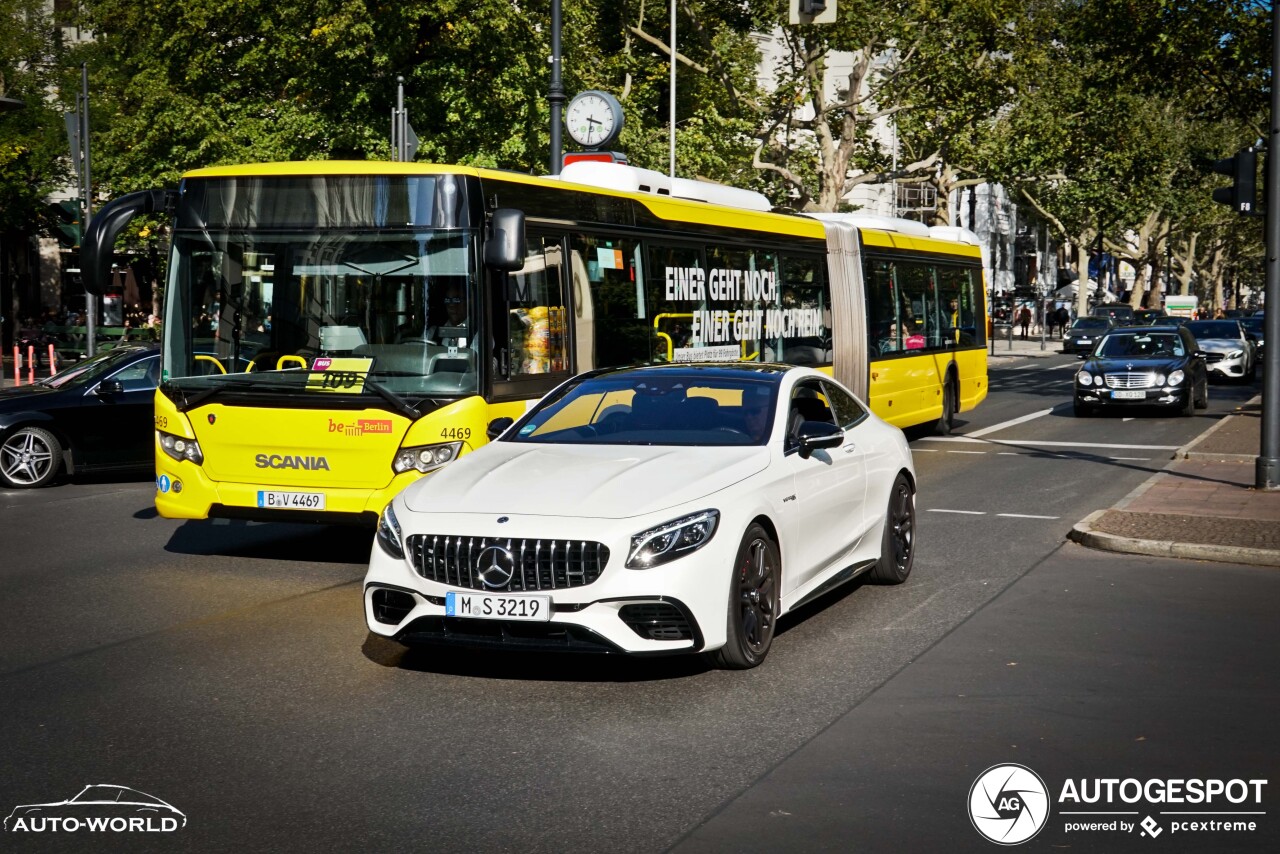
{"type": "Point", "coordinates": [1105, 397]}
{"type": "Point", "coordinates": [1231, 368]}
{"type": "Point", "coordinates": [677, 607]}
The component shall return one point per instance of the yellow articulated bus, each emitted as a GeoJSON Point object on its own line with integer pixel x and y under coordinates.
{"type": "Point", "coordinates": [335, 330]}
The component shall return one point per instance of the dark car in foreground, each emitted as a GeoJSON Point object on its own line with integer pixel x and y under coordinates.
{"type": "Point", "coordinates": [1143, 366]}
{"type": "Point", "coordinates": [1084, 333]}
{"type": "Point", "coordinates": [96, 415]}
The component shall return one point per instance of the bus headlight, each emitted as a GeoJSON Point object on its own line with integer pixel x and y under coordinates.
{"type": "Point", "coordinates": [181, 448]}
{"type": "Point", "coordinates": [672, 539]}
{"type": "Point", "coordinates": [1176, 377]}
{"type": "Point", "coordinates": [425, 458]}
{"type": "Point", "coordinates": [389, 536]}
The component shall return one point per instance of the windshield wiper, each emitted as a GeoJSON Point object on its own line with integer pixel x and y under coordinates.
{"type": "Point", "coordinates": [402, 406]}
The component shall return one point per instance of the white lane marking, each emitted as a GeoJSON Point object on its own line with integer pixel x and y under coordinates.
{"type": "Point", "coordinates": [1050, 444]}
{"type": "Point", "coordinates": [925, 451]}
{"type": "Point", "coordinates": [962, 512]}
{"type": "Point", "coordinates": [1133, 459]}
{"type": "Point", "coordinates": [1024, 516]}
{"type": "Point", "coordinates": [1008, 453]}
{"type": "Point", "coordinates": [1003, 424]}
{"type": "Point", "coordinates": [967, 452]}
{"type": "Point", "coordinates": [1126, 419]}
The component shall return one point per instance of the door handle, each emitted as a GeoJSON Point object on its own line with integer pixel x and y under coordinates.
{"type": "Point", "coordinates": [849, 449]}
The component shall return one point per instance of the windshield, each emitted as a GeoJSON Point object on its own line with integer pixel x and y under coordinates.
{"type": "Point", "coordinates": [1090, 323]}
{"type": "Point", "coordinates": [90, 370]}
{"type": "Point", "coordinates": [652, 408]}
{"type": "Point", "coordinates": [1154, 346]}
{"type": "Point", "coordinates": [274, 309]}
{"type": "Point", "coordinates": [1214, 329]}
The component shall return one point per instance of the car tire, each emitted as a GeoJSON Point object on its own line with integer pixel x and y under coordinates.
{"type": "Point", "coordinates": [1202, 401]}
{"type": "Point", "coordinates": [1081, 410]}
{"type": "Point", "coordinates": [897, 543]}
{"type": "Point", "coordinates": [947, 421]}
{"type": "Point", "coordinates": [754, 601]}
{"type": "Point", "coordinates": [1188, 407]}
{"type": "Point", "coordinates": [29, 457]}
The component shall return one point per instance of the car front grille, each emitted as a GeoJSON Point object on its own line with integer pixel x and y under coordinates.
{"type": "Point", "coordinates": [537, 564]}
{"type": "Point", "coordinates": [1131, 380]}
{"type": "Point", "coordinates": [1214, 357]}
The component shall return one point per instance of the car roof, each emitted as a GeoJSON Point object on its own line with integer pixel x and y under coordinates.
{"type": "Point", "coordinates": [707, 369]}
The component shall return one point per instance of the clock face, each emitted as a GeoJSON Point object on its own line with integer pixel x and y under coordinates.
{"type": "Point", "coordinates": [593, 119]}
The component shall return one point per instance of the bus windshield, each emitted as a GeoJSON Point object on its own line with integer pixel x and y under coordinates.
{"type": "Point", "coordinates": [266, 309]}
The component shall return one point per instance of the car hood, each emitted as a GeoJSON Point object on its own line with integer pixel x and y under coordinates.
{"type": "Point", "coordinates": [584, 481]}
{"type": "Point", "coordinates": [1162, 365]}
{"type": "Point", "coordinates": [1219, 345]}
{"type": "Point", "coordinates": [20, 396]}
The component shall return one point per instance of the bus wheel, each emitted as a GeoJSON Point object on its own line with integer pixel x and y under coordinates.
{"type": "Point", "coordinates": [754, 601]}
{"type": "Point", "coordinates": [947, 421]}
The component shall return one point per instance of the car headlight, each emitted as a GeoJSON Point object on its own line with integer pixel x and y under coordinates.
{"type": "Point", "coordinates": [1084, 378]}
{"type": "Point", "coordinates": [1235, 354]}
{"type": "Point", "coordinates": [672, 540]}
{"type": "Point", "coordinates": [181, 448]}
{"type": "Point", "coordinates": [389, 536]}
{"type": "Point", "coordinates": [425, 458]}
{"type": "Point", "coordinates": [1177, 377]}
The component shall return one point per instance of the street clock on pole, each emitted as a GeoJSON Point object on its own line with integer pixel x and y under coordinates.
{"type": "Point", "coordinates": [594, 119]}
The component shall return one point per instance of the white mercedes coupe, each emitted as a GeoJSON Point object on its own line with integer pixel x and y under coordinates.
{"type": "Point", "coordinates": [650, 510]}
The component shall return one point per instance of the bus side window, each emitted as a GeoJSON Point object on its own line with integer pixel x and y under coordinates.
{"type": "Point", "coordinates": [535, 335]}
{"type": "Point", "coordinates": [620, 307]}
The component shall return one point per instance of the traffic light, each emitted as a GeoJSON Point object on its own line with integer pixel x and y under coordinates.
{"type": "Point", "coordinates": [1243, 171]}
{"type": "Point", "coordinates": [67, 225]}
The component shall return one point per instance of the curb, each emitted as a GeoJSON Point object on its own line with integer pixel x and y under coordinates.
{"type": "Point", "coordinates": [1084, 534]}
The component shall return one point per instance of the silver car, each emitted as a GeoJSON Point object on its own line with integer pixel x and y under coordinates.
{"type": "Point", "coordinates": [1228, 351]}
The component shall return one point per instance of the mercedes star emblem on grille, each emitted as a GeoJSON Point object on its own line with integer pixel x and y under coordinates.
{"type": "Point", "coordinates": [495, 566]}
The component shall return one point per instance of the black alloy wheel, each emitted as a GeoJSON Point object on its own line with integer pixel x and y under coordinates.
{"type": "Point", "coordinates": [898, 543]}
{"type": "Point", "coordinates": [1202, 399]}
{"type": "Point", "coordinates": [754, 601]}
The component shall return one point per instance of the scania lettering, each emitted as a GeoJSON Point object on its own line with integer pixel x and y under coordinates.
{"type": "Point", "coordinates": [277, 461]}
{"type": "Point", "coordinates": [341, 329]}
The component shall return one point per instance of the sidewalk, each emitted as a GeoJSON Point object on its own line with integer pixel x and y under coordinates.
{"type": "Point", "coordinates": [1022, 349]}
{"type": "Point", "coordinates": [1202, 506]}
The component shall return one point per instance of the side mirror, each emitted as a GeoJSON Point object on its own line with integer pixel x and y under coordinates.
{"type": "Point", "coordinates": [498, 426]}
{"type": "Point", "coordinates": [109, 388]}
{"type": "Point", "coordinates": [97, 249]}
{"type": "Point", "coordinates": [505, 248]}
{"type": "Point", "coordinates": [815, 435]}
{"type": "Point", "coordinates": [1082, 356]}
{"type": "Point", "coordinates": [1200, 354]}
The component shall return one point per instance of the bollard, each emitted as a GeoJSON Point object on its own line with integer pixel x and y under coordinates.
{"type": "Point", "coordinates": [53, 361]}
{"type": "Point", "coordinates": [31, 363]}
{"type": "Point", "coordinates": [17, 365]}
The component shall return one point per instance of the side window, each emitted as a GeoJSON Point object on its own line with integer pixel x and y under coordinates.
{"type": "Point", "coordinates": [618, 311]}
{"type": "Point", "coordinates": [882, 315]}
{"type": "Point", "coordinates": [678, 279]}
{"type": "Point", "coordinates": [808, 403]}
{"type": "Point", "coordinates": [140, 376]}
{"type": "Point", "coordinates": [848, 411]}
{"type": "Point", "coordinates": [805, 313]}
{"type": "Point", "coordinates": [531, 334]}
{"type": "Point", "coordinates": [917, 306]}
{"type": "Point", "coordinates": [958, 322]}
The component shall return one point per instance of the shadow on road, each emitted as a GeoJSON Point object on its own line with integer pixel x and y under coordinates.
{"type": "Point", "coordinates": [272, 541]}
{"type": "Point", "coordinates": [530, 666]}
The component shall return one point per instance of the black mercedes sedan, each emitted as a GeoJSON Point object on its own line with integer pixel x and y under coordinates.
{"type": "Point", "coordinates": [96, 415]}
{"type": "Point", "coordinates": [1084, 334]}
{"type": "Point", "coordinates": [1143, 366]}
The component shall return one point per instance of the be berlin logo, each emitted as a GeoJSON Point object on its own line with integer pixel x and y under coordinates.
{"type": "Point", "coordinates": [102, 808]}
{"type": "Point", "coordinates": [1009, 804]}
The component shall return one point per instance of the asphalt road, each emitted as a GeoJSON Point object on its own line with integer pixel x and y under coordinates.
{"type": "Point", "coordinates": [225, 668]}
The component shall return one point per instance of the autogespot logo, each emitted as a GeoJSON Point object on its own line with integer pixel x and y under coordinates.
{"type": "Point", "coordinates": [1009, 804]}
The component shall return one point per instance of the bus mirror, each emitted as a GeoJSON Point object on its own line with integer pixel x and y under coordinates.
{"type": "Point", "coordinates": [498, 426]}
{"type": "Point", "coordinates": [98, 248]}
{"type": "Point", "coordinates": [505, 248]}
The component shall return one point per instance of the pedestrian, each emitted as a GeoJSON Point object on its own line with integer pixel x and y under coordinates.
{"type": "Point", "coordinates": [1024, 320]}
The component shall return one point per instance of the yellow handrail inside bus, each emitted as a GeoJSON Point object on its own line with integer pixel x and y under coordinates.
{"type": "Point", "coordinates": [203, 358]}
{"type": "Point", "coordinates": [302, 363]}
{"type": "Point", "coordinates": [671, 353]}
